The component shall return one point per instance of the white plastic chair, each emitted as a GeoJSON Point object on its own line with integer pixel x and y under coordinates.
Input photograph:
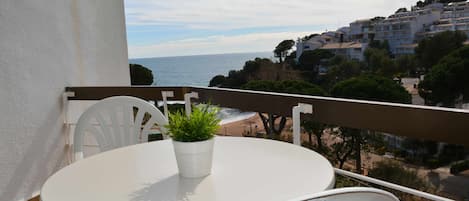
{"type": "Point", "coordinates": [117, 122]}
{"type": "Point", "coordinates": [350, 194]}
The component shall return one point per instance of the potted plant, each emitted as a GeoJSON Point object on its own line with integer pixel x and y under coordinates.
{"type": "Point", "coordinates": [193, 140]}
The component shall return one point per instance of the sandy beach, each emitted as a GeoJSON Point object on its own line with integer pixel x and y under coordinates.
{"type": "Point", "coordinates": [252, 126]}
{"type": "Point", "coordinates": [242, 127]}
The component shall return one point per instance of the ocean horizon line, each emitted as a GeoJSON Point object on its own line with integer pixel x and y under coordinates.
{"type": "Point", "coordinates": [196, 55]}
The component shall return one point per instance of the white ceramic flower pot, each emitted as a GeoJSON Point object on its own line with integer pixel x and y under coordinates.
{"type": "Point", "coordinates": [194, 159]}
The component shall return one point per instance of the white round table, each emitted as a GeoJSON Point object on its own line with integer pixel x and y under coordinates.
{"type": "Point", "coordinates": [243, 169]}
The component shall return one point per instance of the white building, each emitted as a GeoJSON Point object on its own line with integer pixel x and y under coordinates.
{"type": "Point", "coordinates": [318, 41]}
{"type": "Point", "coordinates": [362, 30]}
{"type": "Point", "coordinates": [350, 50]}
{"type": "Point", "coordinates": [313, 43]}
{"type": "Point", "coordinates": [341, 35]}
{"type": "Point", "coordinates": [345, 31]}
{"type": "Point", "coordinates": [46, 46]}
{"type": "Point", "coordinates": [456, 10]}
{"type": "Point", "coordinates": [455, 17]}
{"type": "Point", "coordinates": [400, 29]}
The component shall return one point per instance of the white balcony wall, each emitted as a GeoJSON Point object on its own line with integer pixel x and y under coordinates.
{"type": "Point", "coordinates": [45, 46]}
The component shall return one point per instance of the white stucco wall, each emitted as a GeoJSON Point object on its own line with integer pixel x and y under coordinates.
{"type": "Point", "coordinates": [45, 46]}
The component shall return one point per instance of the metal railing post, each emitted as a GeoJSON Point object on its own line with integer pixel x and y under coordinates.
{"type": "Point", "coordinates": [297, 110]}
{"type": "Point", "coordinates": [187, 101]}
{"type": "Point", "coordinates": [165, 95]}
{"type": "Point", "coordinates": [69, 137]}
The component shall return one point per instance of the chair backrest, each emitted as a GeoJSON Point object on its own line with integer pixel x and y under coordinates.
{"type": "Point", "coordinates": [117, 122]}
{"type": "Point", "coordinates": [350, 194]}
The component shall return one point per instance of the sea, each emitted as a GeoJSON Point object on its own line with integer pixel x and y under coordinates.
{"type": "Point", "coordinates": [198, 71]}
{"type": "Point", "coordinates": [195, 70]}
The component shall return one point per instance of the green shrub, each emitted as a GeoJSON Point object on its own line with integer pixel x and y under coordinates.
{"type": "Point", "coordinates": [459, 167]}
{"type": "Point", "coordinates": [380, 150]}
{"type": "Point", "coordinates": [373, 88]}
{"type": "Point", "coordinates": [155, 137]}
{"type": "Point", "coordinates": [140, 75]}
{"type": "Point", "coordinates": [395, 173]}
{"type": "Point", "coordinates": [342, 182]}
{"type": "Point", "coordinates": [451, 153]}
{"type": "Point", "coordinates": [201, 125]}
{"type": "Point", "coordinates": [433, 163]}
{"type": "Point", "coordinates": [400, 153]}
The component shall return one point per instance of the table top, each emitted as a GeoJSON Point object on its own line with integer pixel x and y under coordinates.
{"type": "Point", "coordinates": [243, 169]}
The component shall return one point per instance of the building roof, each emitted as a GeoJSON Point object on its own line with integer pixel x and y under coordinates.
{"type": "Point", "coordinates": [346, 45]}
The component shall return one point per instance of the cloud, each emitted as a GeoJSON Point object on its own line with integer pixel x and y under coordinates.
{"type": "Point", "coordinates": [239, 14]}
{"type": "Point", "coordinates": [217, 18]}
{"type": "Point", "coordinates": [255, 42]}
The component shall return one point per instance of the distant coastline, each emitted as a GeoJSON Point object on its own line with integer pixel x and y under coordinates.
{"type": "Point", "coordinates": [196, 55]}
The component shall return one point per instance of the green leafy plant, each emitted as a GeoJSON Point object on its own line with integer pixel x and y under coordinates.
{"type": "Point", "coordinates": [201, 125]}
{"type": "Point", "coordinates": [458, 167]}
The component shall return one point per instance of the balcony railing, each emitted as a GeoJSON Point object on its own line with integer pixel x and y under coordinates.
{"type": "Point", "coordinates": [422, 122]}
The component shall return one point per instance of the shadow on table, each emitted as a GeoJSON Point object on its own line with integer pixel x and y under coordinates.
{"type": "Point", "coordinates": [173, 188]}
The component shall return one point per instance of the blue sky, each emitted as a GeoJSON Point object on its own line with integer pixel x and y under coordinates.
{"type": "Point", "coordinates": [157, 28]}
